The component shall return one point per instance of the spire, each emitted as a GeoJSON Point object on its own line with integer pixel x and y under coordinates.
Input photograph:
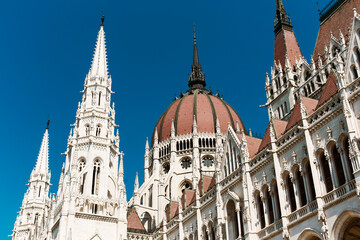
{"type": "Point", "coordinates": [136, 184]}
{"type": "Point", "coordinates": [99, 64]}
{"type": "Point", "coordinates": [147, 145]}
{"type": "Point", "coordinates": [42, 163]}
{"type": "Point", "coordinates": [196, 78]}
{"type": "Point", "coordinates": [286, 45]}
{"type": "Point", "coordinates": [121, 166]}
{"type": "Point", "coordinates": [172, 128]}
{"type": "Point", "coordinates": [282, 19]}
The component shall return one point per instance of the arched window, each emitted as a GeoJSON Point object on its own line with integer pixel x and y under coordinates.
{"type": "Point", "coordinates": [87, 129]}
{"type": "Point", "coordinates": [269, 203]}
{"type": "Point", "coordinates": [82, 183]}
{"type": "Point", "coordinates": [352, 229]}
{"type": "Point", "coordinates": [151, 196]}
{"type": "Point", "coordinates": [232, 220]}
{"type": "Point", "coordinates": [99, 99]}
{"type": "Point", "coordinates": [260, 209]}
{"type": "Point", "coordinates": [146, 221]}
{"type": "Point", "coordinates": [276, 201]}
{"type": "Point", "coordinates": [177, 146]}
{"type": "Point", "coordinates": [301, 187]}
{"type": "Point", "coordinates": [290, 193]}
{"type": "Point", "coordinates": [325, 172]}
{"type": "Point", "coordinates": [81, 164]}
{"type": "Point", "coordinates": [166, 167]}
{"type": "Point", "coordinates": [98, 130]}
{"type": "Point", "coordinates": [186, 185]}
{"type": "Point", "coordinates": [186, 163]}
{"type": "Point", "coordinates": [208, 161]}
{"type": "Point", "coordinates": [338, 165]}
{"type": "Point", "coordinates": [205, 233]}
{"type": "Point", "coordinates": [357, 53]}
{"type": "Point", "coordinates": [307, 75]}
{"type": "Point", "coordinates": [347, 158]}
{"type": "Point", "coordinates": [354, 72]}
{"type": "Point", "coordinates": [310, 181]}
{"type": "Point", "coordinates": [96, 177]}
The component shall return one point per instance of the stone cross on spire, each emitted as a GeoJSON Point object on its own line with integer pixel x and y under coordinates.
{"type": "Point", "coordinates": [196, 78]}
{"type": "Point", "coordinates": [42, 163]}
{"type": "Point", "coordinates": [99, 67]}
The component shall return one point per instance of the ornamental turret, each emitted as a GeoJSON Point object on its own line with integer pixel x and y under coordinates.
{"type": "Point", "coordinates": [92, 185]}
{"type": "Point", "coordinates": [31, 223]}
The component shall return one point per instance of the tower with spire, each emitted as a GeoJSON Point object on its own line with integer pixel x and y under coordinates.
{"type": "Point", "coordinates": [32, 220]}
{"type": "Point", "coordinates": [91, 188]}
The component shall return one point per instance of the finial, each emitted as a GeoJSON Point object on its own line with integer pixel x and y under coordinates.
{"type": "Point", "coordinates": [194, 33]}
{"type": "Point", "coordinates": [102, 20]}
{"type": "Point", "coordinates": [47, 124]}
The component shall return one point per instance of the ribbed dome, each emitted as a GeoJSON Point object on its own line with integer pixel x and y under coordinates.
{"type": "Point", "coordinates": [205, 106]}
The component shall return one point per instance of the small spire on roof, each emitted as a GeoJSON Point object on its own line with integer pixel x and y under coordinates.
{"type": "Point", "coordinates": [196, 78]}
{"type": "Point", "coordinates": [102, 20]}
{"type": "Point", "coordinates": [47, 124]}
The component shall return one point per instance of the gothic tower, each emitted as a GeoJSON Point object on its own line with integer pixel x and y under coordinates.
{"type": "Point", "coordinates": [91, 198]}
{"type": "Point", "coordinates": [31, 223]}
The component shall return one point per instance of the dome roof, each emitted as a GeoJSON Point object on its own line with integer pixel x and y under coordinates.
{"type": "Point", "coordinates": [198, 102]}
{"type": "Point", "coordinates": [205, 107]}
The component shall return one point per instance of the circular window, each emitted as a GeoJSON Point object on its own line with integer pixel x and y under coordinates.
{"type": "Point", "coordinates": [208, 161]}
{"type": "Point", "coordinates": [186, 163]}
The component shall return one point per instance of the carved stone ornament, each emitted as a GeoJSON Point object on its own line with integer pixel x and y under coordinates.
{"type": "Point", "coordinates": [294, 157]}
{"type": "Point", "coordinates": [264, 176]}
{"type": "Point", "coordinates": [329, 133]}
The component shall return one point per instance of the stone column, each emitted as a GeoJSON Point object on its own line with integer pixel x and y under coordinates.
{"type": "Point", "coordinates": [239, 222]}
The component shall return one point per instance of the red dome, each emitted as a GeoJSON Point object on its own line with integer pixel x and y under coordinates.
{"type": "Point", "coordinates": [205, 107]}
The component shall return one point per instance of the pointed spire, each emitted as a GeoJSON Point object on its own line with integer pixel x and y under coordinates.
{"type": "Point", "coordinates": [136, 184]}
{"type": "Point", "coordinates": [282, 19]}
{"type": "Point", "coordinates": [196, 78]}
{"type": "Point", "coordinates": [42, 163]}
{"type": "Point", "coordinates": [147, 145]}
{"type": "Point", "coordinates": [99, 65]}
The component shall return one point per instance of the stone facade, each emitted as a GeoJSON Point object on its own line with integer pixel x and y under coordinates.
{"type": "Point", "coordinates": [205, 177]}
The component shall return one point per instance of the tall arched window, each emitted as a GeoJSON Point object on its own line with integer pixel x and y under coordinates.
{"type": "Point", "coordinates": [99, 102]}
{"type": "Point", "coordinates": [81, 164]}
{"type": "Point", "coordinates": [276, 200]}
{"type": "Point", "coordinates": [290, 193]}
{"type": "Point", "coordinates": [98, 130]}
{"type": "Point", "coordinates": [151, 196]}
{"type": "Point", "coordinates": [260, 209]}
{"type": "Point", "coordinates": [354, 72]}
{"type": "Point", "coordinates": [338, 165]}
{"type": "Point", "coordinates": [87, 129]}
{"type": "Point", "coordinates": [269, 203]}
{"type": "Point", "coordinates": [347, 158]}
{"type": "Point", "coordinates": [96, 177]}
{"type": "Point", "coordinates": [310, 181]}
{"type": "Point", "coordinates": [326, 174]}
{"type": "Point", "coordinates": [301, 187]}
{"type": "Point", "coordinates": [232, 220]}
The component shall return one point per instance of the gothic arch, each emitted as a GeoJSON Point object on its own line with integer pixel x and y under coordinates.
{"type": "Point", "coordinates": [343, 222]}
{"type": "Point", "coordinates": [310, 234]}
{"type": "Point", "coordinates": [231, 196]}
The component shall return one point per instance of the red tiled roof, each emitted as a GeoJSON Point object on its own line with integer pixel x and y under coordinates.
{"type": "Point", "coordinates": [187, 198]}
{"type": "Point", "coordinates": [279, 127]}
{"type": "Point", "coordinates": [205, 107]}
{"type": "Point", "coordinates": [341, 19]}
{"type": "Point", "coordinates": [134, 222]}
{"type": "Point", "coordinates": [204, 184]}
{"type": "Point", "coordinates": [253, 144]}
{"type": "Point", "coordinates": [310, 105]}
{"type": "Point", "coordinates": [329, 90]}
{"type": "Point", "coordinates": [286, 43]}
{"type": "Point", "coordinates": [171, 210]}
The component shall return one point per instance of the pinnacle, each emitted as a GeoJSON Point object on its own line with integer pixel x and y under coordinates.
{"type": "Point", "coordinates": [99, 65]}
{"type": "Point", "coordinates": [42, 163]}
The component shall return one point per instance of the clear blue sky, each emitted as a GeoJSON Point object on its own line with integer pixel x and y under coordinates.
{"type": "Point", "coordinates": [46, 51]}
